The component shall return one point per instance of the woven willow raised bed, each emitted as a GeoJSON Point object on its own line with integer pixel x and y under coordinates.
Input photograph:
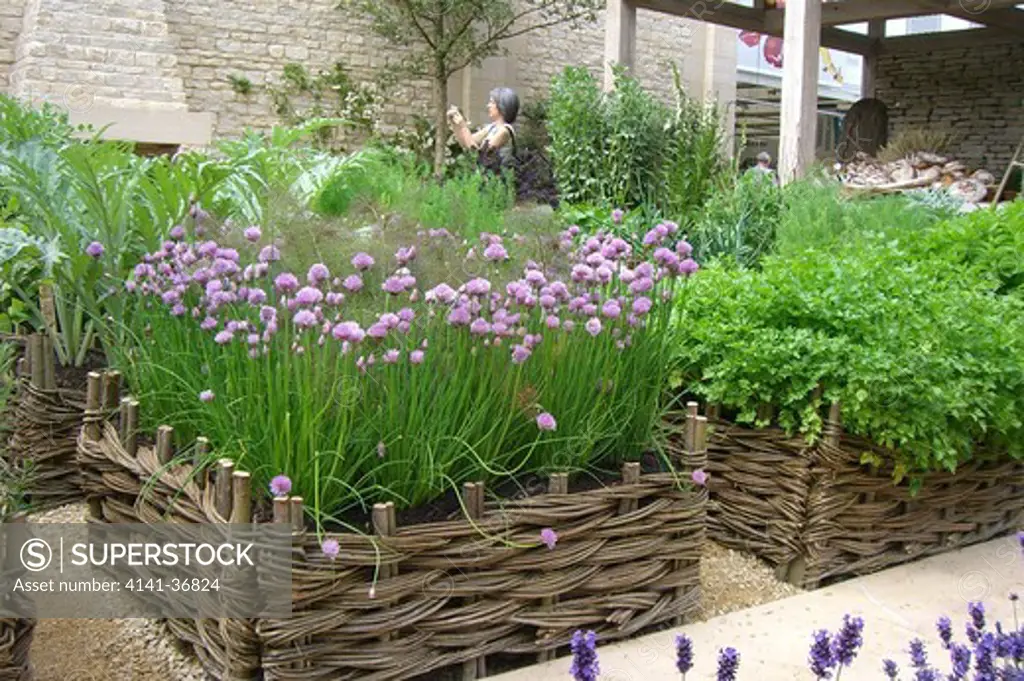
{"type": "Point", "coordinates": [45, 421]}
{"type": "Point", "coordinates": [819, 515]}
{"type": "Point", "coordinates": [448, 594]}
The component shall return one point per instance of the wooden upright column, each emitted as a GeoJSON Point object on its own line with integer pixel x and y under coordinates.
{"type": "Point", "coordinates": [869, 74]}
{"type": "Point", "coordinates": [619, 38]}
{"type": "Point", "coordinates": [800, 55]}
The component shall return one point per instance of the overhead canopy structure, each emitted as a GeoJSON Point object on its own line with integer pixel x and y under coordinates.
{"type": "Point", "coordinates": [806, 26]}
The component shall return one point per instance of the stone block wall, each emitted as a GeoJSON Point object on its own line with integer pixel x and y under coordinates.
{"type": "Point", "coordinates": [974, 93]}
{"type": "Point", "coordinates": [11, 13]}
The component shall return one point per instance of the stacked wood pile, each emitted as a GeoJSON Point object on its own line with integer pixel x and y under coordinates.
{"type": "Point", "coordinates": [918, 170]}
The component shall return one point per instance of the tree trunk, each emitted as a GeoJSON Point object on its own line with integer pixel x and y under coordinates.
{"type": "Point", "coordinates": [440, 121]}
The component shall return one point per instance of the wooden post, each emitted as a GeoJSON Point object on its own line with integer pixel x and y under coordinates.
{"type": "Point", "coordinates": [799, 115]}
{"type": "Point", "coordinates": [111, 389]}
{"type": "Point", "coordinates": [473, 494]}
{"type": "Point", "coordinates": [199, 454]}
{"type": "Point", "coordinates": [241, 498]}
{"type": "Point", "coordinates": [164, 444]}
{"type": "Point", "coordinates": [558, 483]}
{"type": "Point", "coordinates": [35, 349]}
{"type": "Point", "coordinates": [833, 429]}
{"type": "Point", "coordinates": [692, 409]}
{"type": "Point", "coordinates": [222, 488]}
{"type": "Point", "coordinates": [282, 511]}
{"type": "Point", "coordinates": [93, 396]}
{"type": "Point", "coordinates": [21, 369]}
{"type": "Point", "coordinates": [869, 74]}
{"type": "Point", "coordinates": [297, 514]}
{"type": "Point", "coordinates": [619, 38]}
{"type": "Point", "coordinates": [130, 425]}
{"type": "Point", "coordinates": [630, 476]}
{"type": "Point", "coordinates": [49, 364]}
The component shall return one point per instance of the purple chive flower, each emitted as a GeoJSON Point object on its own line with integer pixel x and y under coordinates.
{"type": "Point", "coordinates": [208, 324]}
{"type": "Point", "coordinates": [353, 282]}
{"type": "Point", "coordinates": [393, 285]}
{"type": "Point", "coordinates": [546, 421]}
{"type": "Point", "coordinates": [223, 337]}
{"type": "Point", "coordinates": [684, 249]}
{"type": "Point", "coordinates": [820, 658]}
{"type": "Point", "coordinates": [699, 477]}
{"type": "Point", "coordinates": [257, 296]}
{"type": "Point", "coordinates": [478, 287]}
{"type": "Point", "coordinates": [179, 310]}
{"type": "Point", "coordinates": [652, 237]}
{"type": "Point", "coordinates": [391, 357]}
{"type": "Point", "coordinates": [495, 252]}
{"type": "Point", "coordinates": [549, 537]}
{"type": "Point", "coordinates": [362, 261]}
{"type": "Point", "coordinates": [95, 250]}
{"type": "Point", "coordinates": [252, 233]}
{"type": "Point", "coordinates": [308, 295]}
{"type": "Point", "coordinates": [442, 292]}
{"type": "Point", "coordinates": [642, 306]}
{"type": "Point", "coordinates": [520, 353]}
{"type": "Point", "coordinates": [304, 319]}
{"type": "Point", "coordinates": [728, 664]}
{"type": "Point", "coordinates": [206, 396]}
{"type": "Point", "coordinates": [406, 314]}
{"type": "Point", "coordinates": [611, 309]}
{"type": "Point", "coordinates": [317, 274]}
{"type": "Point", "coordinates": [848, 641]}
{"type": "Point", "coordinates": [177, 232]}
{"type": "Point", "coordinates": [280, 486]}
{"type": "Point", "coordinates": [593, 326]}
{"type": "Point", "coordinates": [405, 255]}
{"type": "Point", "coordinates": [684, 654]}
{"type": "Point", "coordinates": [382, 449]}
{"type": "Point", "coordinates": [330, 548]}
{"type": "Point", "coordinates": [377, 330]}
{"type": "Point", "coordinates": [584, 657]}
{"type": "Point", "coordinates": [269, 253]}
{"type": "Point", "coordinates": [890, 669]}
{"type": "Point", "coordinates": [641, 285]}
{"type": "Point", "coordinates": [286, 281]}
{"type": "Point", "coordinates": [688, 266]}
{"type": "Point", "coordinates": [552, 322]}
{"type": "Point", "coordinates": [480, 327]}
{"type": "Point", "coordinates": [617, 216]}
{"type": "Point", "coordinates": [416, 357]}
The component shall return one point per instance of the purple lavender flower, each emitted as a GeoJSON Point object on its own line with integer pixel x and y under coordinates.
{"type": "Point", "coordinates": [728, 664]}
{"type": "Point", "coordinates": [206, 396]}
{"type": "Point", "coordinates": [593, 326]}
{"type": "Point", "coordinates": [960, 656]}
{"type": "Point", "coordinates": [362, 261]}
{"type": "Point", "coordinates": [985, 657]}
{"type": "Point", "coordinates": [584, 657]}
{"type": "Point", "coordinates": [918, 656]}
{"type": "Point", "coordinates": [95, 250]}
{"type": "Point", "coordinates": [945, 627]}
{"type": "Point", "coordinates": [977, 612]}
{"type": "Point", "coordinates": [890, 669]}
{"type": "Point", "coordinates": [304, 319]}
{"type": "Point", "coordinates": [821, 659]}
{"type": "Point", "coordinates": [546, 421]}
{"type": "Point", "coordinates": [280, 486]}
{"type": "Point", "coordinates": [549, 537]}
{"type": "Point", "coordinates": [848, 641]}
{"type": "Point", "coordinates": [684, 654]}
{"type": "Point", "coordinates": [330, 548]}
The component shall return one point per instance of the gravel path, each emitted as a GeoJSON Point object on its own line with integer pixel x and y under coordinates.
{"type": "Point", "coordinates": [143, 650]}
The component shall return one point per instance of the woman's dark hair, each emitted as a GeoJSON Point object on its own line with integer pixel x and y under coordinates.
{"type": "Point", "coordinates": [507, 102]}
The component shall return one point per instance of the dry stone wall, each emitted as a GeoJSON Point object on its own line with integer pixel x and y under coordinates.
{"type": "Point", "coordinates": [974, 93]}
{"type": "Point", "coordinates": [11, 14]}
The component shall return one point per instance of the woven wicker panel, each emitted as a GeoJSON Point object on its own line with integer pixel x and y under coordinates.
{"type": "Point", "coordinates": [759, 483]}
{"type": "Point", "coordinates": [15, 641]}
{"type": "Point", "coordinates": [859, 522]}
{"type": "Point", "coordinates": [466, 591]}
{"type": "Point", "coordinates": [45, 429]}
{"type": "Point", "coordinates": [460, 590]}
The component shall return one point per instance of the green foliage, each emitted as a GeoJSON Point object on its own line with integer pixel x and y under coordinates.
{"type": "Point", "coordinates": [906, 330]}
{"type": "Point", "coordinates": [739, 221]}
{"type": "Point", "coordinates": [240, 84]}
{"type": "Point", "coordinates": [626, 149]}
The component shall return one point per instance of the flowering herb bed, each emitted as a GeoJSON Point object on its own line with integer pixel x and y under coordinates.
{"type": "Point", "coordinates": [510, 577]}
{"type": "Point", "coordinates": [819, 513]}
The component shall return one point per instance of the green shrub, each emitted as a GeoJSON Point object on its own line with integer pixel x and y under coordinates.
{"type": "Point", "coordinates": [739, 221]}
{"type": "Point", "coordinates": [906, 334]}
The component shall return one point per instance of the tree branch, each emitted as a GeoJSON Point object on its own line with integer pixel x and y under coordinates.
{"type": "Point", "coordinates": [412, 17]}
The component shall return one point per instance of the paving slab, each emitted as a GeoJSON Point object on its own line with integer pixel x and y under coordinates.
{"type": "Point", "coordinates": [898, 605]}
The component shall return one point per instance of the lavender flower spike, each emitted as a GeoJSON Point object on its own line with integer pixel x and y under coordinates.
{"type": "Point", "coordinates": [945, 627]}
{"type": "Point", "coordinates": [890, 669]}
{"type": "Point", "coordinates": [821, 659]}
{"type": "Point", "coordinates": [584, 656]}
{"type": "Point", "coordinates": [848, 641]}
{"type": "Point", "coordinates": [684, 654]}
{"type": "Point", "coordinates": [728, 664]}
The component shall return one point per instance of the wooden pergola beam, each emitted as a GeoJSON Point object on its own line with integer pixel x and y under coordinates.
{"type": "Point", "coordinates": [753, 19]}
{"type": "Point", "coordinates": [856, 11]}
